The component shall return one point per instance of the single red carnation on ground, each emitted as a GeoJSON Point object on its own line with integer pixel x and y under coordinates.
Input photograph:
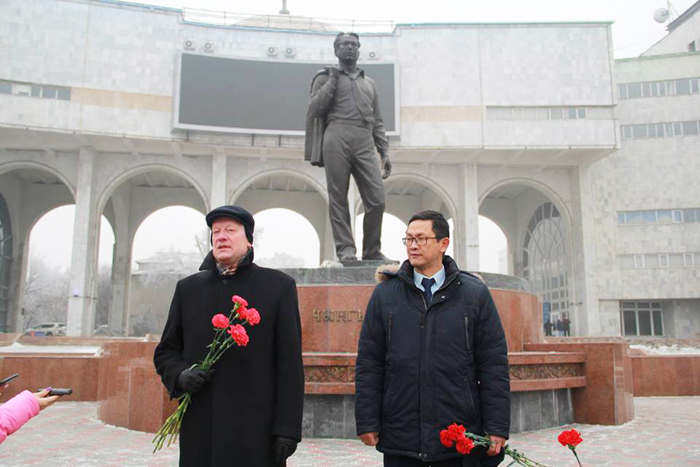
{"type": "Point", "coordinates": [240, 300]}
{"type": "Point", "coordinates": [239, 335]}
{"type": "Point", "coordinates": [253, 317]}
{"type": "Point", "coordinates": [220, 321]}
{"type": "Point", "coordinates": [571, 438]}
{"type": "Point", "coordinates": [465, 445]}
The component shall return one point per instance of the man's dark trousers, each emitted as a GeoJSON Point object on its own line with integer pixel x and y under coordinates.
{"type": "Point", "coordinates": [401, 461]}
{"type": "Point", "coordinates": [478, 458]}
{"type": "Point", "coordinates": [348, 149]}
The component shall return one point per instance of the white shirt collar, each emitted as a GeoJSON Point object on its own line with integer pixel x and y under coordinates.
{"type": "Point", "coordinates": [439, 279]}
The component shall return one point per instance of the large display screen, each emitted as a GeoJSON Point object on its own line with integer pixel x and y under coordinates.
{"type": "Point", "coordinates": [259, 96]}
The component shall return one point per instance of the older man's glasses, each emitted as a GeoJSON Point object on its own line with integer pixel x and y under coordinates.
{"type": "Point", "coordinates": [420, 241]}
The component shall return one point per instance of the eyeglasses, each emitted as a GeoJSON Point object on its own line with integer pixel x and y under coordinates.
{"type": "Point", "coordinates": [420, 241]}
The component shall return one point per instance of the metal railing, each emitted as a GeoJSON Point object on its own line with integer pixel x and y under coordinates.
{"type": "Point", "coordinates": [284, 21]}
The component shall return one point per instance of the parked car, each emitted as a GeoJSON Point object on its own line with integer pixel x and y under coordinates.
{"type": "Point", "coordinates": [47, 329]}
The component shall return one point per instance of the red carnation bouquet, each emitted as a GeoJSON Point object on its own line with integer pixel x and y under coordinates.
{"type": "Point", "coordinates": [463, 441]}
{"type": "Point", "coordinates": [227, 333]}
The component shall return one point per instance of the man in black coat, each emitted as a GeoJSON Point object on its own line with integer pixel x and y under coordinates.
{"type": "Point", "coordinates": [247, 410]}
{"type": "Point", "coordinates": [432, 352]}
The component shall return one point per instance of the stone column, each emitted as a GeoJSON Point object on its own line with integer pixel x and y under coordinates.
{"type": "Point", "coordinates": [466, 226]}
{"type": "Point", "coordinates": [121, 261]}
{"type": "Point", "coordinates": [82, 293]}
{"type": "Point", "coordinates": [121, 271]}
{"type": "Point", "coordinates": [584, 300]}
{"type": "Point", "coordinates": [218, 180]}
{"type": "Point", "coordinates": [18, 277]}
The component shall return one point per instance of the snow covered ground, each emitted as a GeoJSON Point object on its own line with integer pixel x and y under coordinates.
{"type": "Point", "coordinates": [16, 347]}
{"type": "Point", "coordinates": [674, 349]}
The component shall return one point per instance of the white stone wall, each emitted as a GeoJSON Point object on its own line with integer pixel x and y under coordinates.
{"type": "Point", "coordinates": [648, 174]}
{"type": "Point", "coordinates": [686, 319]}
{"type": "Point", "coordinates": [609, 315]}
{"type": "Point", "coordinates": [119, 61]}
{"type": "Point", "coordinates": [682, 35]}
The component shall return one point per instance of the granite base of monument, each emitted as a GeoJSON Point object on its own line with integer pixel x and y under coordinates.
{"type": "Point", "coordinates": [584, 380]}
{"type": "Point", "coordinates": [333, 302]}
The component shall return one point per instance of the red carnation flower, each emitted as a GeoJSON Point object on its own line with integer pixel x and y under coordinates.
{"type": "Point", "coordinates": [239, 335]}
{"type": "Point", "coordinates": [220, 321]}
{"type": "Point", "coordinates": [456, 431]}
{"type": "Point", "coordinates": [465, 445]}
{"type": "Point", "coordinates": [240, 300]}
{"type": "Point", "coordinates": [446, 439]}
{"type": "Point", "coordinates": [571, 438]}
{"type": "Point", "coordinates": [253, 317]}
{"type": "Point", "coordinates": [242, 312]}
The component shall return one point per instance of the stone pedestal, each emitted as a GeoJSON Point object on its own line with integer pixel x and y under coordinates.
{"type": "Point", "coordinates": [607, 397]}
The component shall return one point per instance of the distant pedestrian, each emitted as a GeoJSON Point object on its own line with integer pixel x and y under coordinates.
{"type": "Point", "coordinates": [548, 328]}
{"type": "Point", "coordinates": [566, 325]}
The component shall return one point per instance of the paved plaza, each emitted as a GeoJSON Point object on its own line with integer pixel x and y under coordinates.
{"type": "Point", "coordinates": [664, 433]}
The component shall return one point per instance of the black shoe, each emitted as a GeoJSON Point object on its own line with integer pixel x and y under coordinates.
{"type": "Point", "coordinates": [343, 259]}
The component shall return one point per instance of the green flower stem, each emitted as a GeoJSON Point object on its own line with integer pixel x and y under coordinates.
{"type": "Point", "coordinates": [221, 342]}
{"type": "Point", "coordinates": [518, 457]}
{"type": "Point", "coordinates": [576, 455]}
{"type": "Point", "coordinates": [171, 428]}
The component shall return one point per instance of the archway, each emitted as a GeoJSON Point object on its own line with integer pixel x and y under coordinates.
{"type": "Point", "coordinates": [537, 226]}
{"type": "Point", "coordinates": [493, 247]}
{"type": "Point", "coordinates": [47, 280]}
{"type": "Point", "coordinates": [127, 201]}
{"type": "Point", "coordinates": [285, 239]}
{"type": "Point", "coordinates": [5, 261]}
{"type": "Point", "coordinates": [407, 194]}
{"type": "Point", "coordinates": [293, 191]}
{"type": "Point", "coordinates": [393, 230]}
{"type": "Point", "coordinates": [169, 244]}
{"type": "Point", "coordinates": [28, 191]}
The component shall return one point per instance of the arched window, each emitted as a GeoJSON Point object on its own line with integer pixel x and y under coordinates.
{"type": "Point", "coordinates": [5, 262]}
{"type": "Point", "coordinates": [544, 259]}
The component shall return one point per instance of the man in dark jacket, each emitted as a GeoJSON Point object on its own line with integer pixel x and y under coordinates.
{"type": "Point", "coordinates": [247, 414]}
{"type": "Point", "coordinates": [432, 352]}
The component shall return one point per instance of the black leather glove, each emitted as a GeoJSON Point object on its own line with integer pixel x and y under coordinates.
{"type": "Point", "coordinates": [192, 380]}
{"type": "Point", "coordinates": [282, 448]}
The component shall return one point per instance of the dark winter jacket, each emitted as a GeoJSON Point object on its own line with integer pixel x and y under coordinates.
{"type": "Point", "coordinates": [421, 368]}
{"type": "Point", "coordinates": [258, 390]}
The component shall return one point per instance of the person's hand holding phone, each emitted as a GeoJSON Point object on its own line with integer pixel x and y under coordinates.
{"type": "Point", "coordinates": [44, 399]}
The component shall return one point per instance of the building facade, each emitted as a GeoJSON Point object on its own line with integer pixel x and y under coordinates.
{"type": "Point", "coordinates": [520, 123]}
{"type": "Point", "coordinates": [646, 197]}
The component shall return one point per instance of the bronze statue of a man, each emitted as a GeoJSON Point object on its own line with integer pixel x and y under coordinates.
{"type": "Point", "coordinates": [343, 127]}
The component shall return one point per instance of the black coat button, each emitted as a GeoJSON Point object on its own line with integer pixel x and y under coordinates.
{"type": "Point", "coordinates": [225, 281]}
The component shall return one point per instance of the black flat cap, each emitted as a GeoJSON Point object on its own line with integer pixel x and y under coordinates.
{"type": "Point", "coordinates": [234, 212]}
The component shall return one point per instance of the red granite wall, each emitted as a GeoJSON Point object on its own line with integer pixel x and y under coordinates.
{"type": "Point", "coordinates": [666, 375]}
{"type": "Point", "coordinates": [607, 398]}
{"type": "Point", "coordinates": [331, 316]}
{"type": "Point", "coordinates": [37, 371]}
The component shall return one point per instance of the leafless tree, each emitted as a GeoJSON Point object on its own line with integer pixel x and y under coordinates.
{"type": "Point", "coordinates": [45, 294]}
